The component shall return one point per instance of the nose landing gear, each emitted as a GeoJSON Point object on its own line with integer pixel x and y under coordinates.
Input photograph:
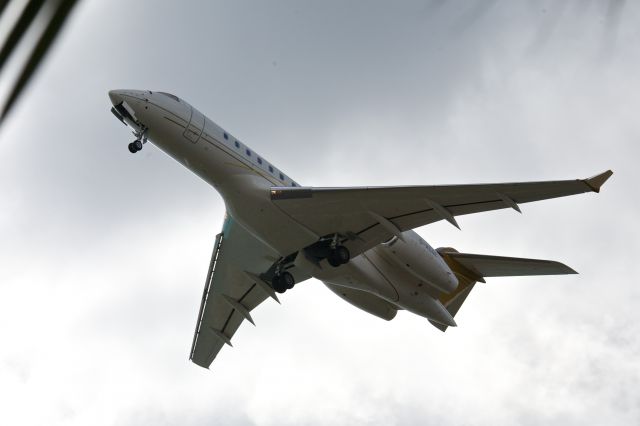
{"type": "Point", "coordinates": [135, 146]}
{"type": "Point", "coordinates": [141, 139]}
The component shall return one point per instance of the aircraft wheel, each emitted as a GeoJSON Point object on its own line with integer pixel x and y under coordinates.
{"type": "Point", "coordinates": [287, 280]}
{"type": "Point", "coordinates": [339, 256]}
{"type": "Point", "coordinates": [282, 282]}
{"type": "Point", "coordinates": [333, 259]}
{"type": "Point", "coordinates": [132, 148]}
{"type": "Point", "coordinates": [277, 285]}
{"type": "Point", "coordinates": [343, 255]}
{"type": "Point", "coordinates": [138, 144]}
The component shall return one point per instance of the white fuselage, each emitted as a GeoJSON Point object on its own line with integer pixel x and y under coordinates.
{"type": "Point", "coordinates": [244, 179]}
{"type": "Point", "coordinates": [240, 175]}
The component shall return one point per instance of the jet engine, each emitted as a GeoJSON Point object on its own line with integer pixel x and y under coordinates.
{"type": "Point", "coordinates": [414, 255]}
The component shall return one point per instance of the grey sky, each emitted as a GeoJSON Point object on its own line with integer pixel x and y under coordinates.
{"type": "Point", "coordinates": [103, 254]}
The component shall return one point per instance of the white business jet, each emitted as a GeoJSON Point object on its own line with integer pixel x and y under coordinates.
{"type": "Point", "coordinates": [358, 241]}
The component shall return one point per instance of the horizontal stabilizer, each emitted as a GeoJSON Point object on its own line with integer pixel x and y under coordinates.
{"type": "Point", "coordinates": [498, 266]}
{"type": "Point", "coordinates": [472, 268]}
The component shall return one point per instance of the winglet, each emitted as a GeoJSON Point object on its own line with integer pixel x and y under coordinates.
{"type": "Point", "coordinates": [595, 182]}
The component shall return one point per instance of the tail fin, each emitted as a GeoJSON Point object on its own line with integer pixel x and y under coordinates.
{"type": "Point", "coordinates": [454, 303]}
{"type": "Point", "coordinates": [473, 268]}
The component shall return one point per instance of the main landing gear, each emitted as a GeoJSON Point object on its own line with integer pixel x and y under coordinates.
{"type": "Point", "coordinates": [327, 248]}
{"type": "Point", "coordinates": [282, 282]}
{"type": "Point", "coordinates": [338, 256]}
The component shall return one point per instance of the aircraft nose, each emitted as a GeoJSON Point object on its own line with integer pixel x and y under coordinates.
{"type": "Point", "coordinates": [115, 96]}
{"type": "Point", "coordinates": [118, 96]}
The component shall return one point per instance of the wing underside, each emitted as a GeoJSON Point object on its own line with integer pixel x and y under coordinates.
{"type": "Point", "coordinates": [233, 288]}
{"type": "Point", "coordinates": [362, 217]}
{"type": "Point", "coordinates": [368, 216]}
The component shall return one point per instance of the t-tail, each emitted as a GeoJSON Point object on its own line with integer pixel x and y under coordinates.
{"type": "Point", "coordinates": [473, 268]}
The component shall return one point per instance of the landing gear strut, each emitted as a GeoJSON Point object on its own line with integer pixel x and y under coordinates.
{"type": "Point", "coordinates": [282, 282]}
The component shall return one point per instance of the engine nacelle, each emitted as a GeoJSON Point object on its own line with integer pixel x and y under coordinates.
{"type": "Point", "coordinates": [415, 255]}
{"type": "Point", "coordinates": [368, 302]}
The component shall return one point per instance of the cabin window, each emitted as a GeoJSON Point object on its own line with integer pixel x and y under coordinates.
{"type": "Point", "coordinates": [259, 160]}
{"type": "Point", "coordinates": [226, 136]}
{"type": "Point", "coordinates": [248, 152]}
{"type": "Point", "coordinates": [237, 144]}
{"type": "Point", "coordinates": [293, 184]}
{"type": "Point", "coordinates": [281, 176]}
{"type": "Point", "coordinates": [271, 169]}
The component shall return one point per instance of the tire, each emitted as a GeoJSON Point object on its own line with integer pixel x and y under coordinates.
{"type": "Point", "coordinates": [287, 280]}
{"type": "Point", "coordinates": [132, 148]}
{"type": "Point", "coordinates": [278, 284]}
{"type": "Point", "coordinates": [138, 144]}
{"type": "Point", "coordinates": [333, 259]}
{"type": "Point", "coordinates": [339, 256]}
{"type": "Point", "coordinates": [342, 254]}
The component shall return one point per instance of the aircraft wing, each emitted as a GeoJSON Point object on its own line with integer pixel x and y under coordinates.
{"type": "Point", "coordinates": [367, 216]}
{"type": "Point", "coordinates": [232, 289]}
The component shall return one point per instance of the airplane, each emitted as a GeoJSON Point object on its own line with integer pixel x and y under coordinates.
{"type": "Point", "coordinates": [359, 241]}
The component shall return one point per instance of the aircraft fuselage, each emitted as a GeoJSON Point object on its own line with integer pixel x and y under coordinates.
{"type": "Point", "coordinates": [244, 179]}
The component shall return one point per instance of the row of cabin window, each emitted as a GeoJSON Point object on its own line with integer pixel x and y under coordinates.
{"type": "Point", "coordinates": [248, 151]}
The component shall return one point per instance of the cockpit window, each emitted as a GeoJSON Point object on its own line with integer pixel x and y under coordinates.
{"type": "Point", "coordinates": [174, 97]}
